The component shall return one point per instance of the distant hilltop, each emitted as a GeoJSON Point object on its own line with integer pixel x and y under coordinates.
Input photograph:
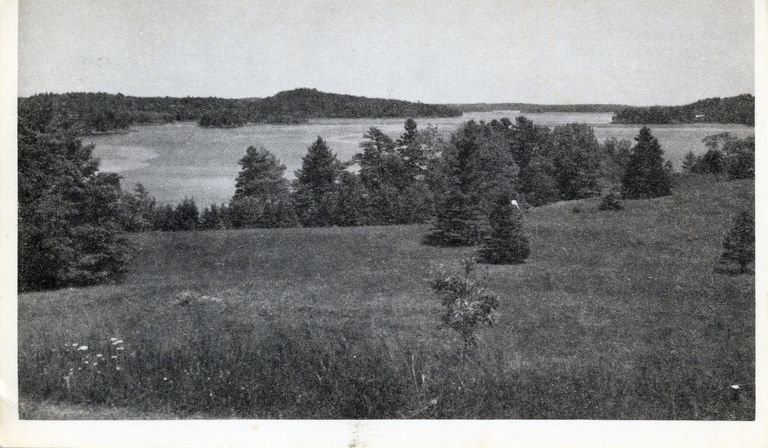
{"type": "Point", "coordinates": [738, 109]}
{"type": "Point", "coordinates": [312, 103]}
{"type": "Point", "coordinates": [87, 112]}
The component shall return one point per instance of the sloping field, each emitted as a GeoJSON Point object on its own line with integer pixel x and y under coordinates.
{"type": "Point", "coordinates": [615, 315]}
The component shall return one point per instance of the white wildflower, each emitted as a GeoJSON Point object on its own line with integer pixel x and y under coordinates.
{"type": "Point", "coordinates": [99, 355]}
{"type": "Point", "coordinates": [83, 348]}
{"type": "Point", "coordinates": [117, 341]}
{"type": "Point", "coordinates": [735, 386]}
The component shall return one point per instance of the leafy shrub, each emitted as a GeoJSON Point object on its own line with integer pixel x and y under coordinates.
{"type": "Point", "coordinates": [712, 162]}
{"type": "Point", "coordinates": [611, 201]}
{"type": "Point", "coordinates": [466, 302]}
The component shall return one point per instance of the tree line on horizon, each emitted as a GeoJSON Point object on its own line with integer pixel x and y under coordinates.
{"type": "Point", "coordinates": [90, 113]}
{"type": "Point", "coordinates": [738, 109]}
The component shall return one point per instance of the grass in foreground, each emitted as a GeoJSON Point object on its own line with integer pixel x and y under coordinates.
{"type": "Point", "coordinates": [615, 315]}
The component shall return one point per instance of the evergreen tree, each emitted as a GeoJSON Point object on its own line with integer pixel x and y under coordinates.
{"type": "Point", "coordinates": [185, 216]}
{"type": "Point", "coordinates": [262, 198]}
{"type": "Point", "coordinates": [645, 176]}
{"type": "Point", "coordinates": [689, 162]}
{"type": "Point", "coordinates": [352, 201]}
{"type": "Point", "coordinates": [739, 242]}
{"type": "Point", "coordinates": [393, 174]}
{"type": "Point", "coordinates": [215, 217]}
{"type": "Point", "coordinates": [261, 175]}
{"type": "Point", "coordinates": [455, 222]}
{"type": "Point", "coordinates": [71, 217]}
{"type": "Point", "coordinates": [456, 210]}
{"type": "Point", "coordinates": [537, 182]}
{"type": "Point", "coordinates": [740, 158]}
{"type": "Point", "coordinates": [163, 218]}
{"type": "Point", "coordinates": [506, 243]}
{"type": "Point", "coordinates": [141, 206]}
{"type": "Point", "coordinates": [316, 186]}
{"type": "Point", "coordinates": [411, 151]}
{"type": "Point", "coordinates": [576, 157]}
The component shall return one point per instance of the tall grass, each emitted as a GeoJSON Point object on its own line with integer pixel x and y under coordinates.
{"type": "Point", "coordinates": [297, 371]}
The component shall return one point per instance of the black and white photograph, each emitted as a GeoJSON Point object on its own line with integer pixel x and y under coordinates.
{"type": "Point", "coordinates": [448, 210]}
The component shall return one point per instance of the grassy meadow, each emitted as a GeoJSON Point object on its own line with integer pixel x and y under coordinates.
{"type": "Point", "coordinates": [615, 315]}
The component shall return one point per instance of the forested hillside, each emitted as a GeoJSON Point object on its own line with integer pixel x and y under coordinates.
{"type": "Point", "coordinates": [536, 108]}
{"type": "Point", "coordinates": [735, 109]}
{"type": "Point", "coordinates": [87, 113]}
{"type": "Point", "coordinates": [312, 103]}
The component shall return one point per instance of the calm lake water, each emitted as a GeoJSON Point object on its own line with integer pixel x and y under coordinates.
{"type": "Point", "coordinates": [183, 160]}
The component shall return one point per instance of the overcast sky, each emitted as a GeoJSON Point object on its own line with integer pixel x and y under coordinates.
{"type": "Point", "coordinates": [545, 51]}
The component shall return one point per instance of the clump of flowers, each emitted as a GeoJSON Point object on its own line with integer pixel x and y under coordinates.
{"type": "Point", "coordinates": [83, 360]}
{"type": "Point", "coordinates": [466, 301]}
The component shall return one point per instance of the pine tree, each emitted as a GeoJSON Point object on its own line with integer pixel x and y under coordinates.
{"type": "Point", "coordinates": [261, 174]}
{"type": "Point", "coordinates": [262, 197]}
{"type": "Point", "coordinates": [645, 176]}
{"type": "Point", "coordinates": [506, 243]}
{"type": "Point", "coordinates": [739, 243]}
{"type": "Point", "coordinates": [316, 186]}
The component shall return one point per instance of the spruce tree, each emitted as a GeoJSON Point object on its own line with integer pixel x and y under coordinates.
{"type": "Point", "coordinates": [70, 215]}
{"type": "Point", "coordinates": [455, 221]}
{"type": "Point", "coordinates": [739, 242]}
{"type": "Point", "coordinates": [456, 210]}
{"type": "Point", "coordinates": [645, 176]}
{"type": "Point", "coordinates": [316, 186]}
{"type": "Point", "coordinates": [506, 243]}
